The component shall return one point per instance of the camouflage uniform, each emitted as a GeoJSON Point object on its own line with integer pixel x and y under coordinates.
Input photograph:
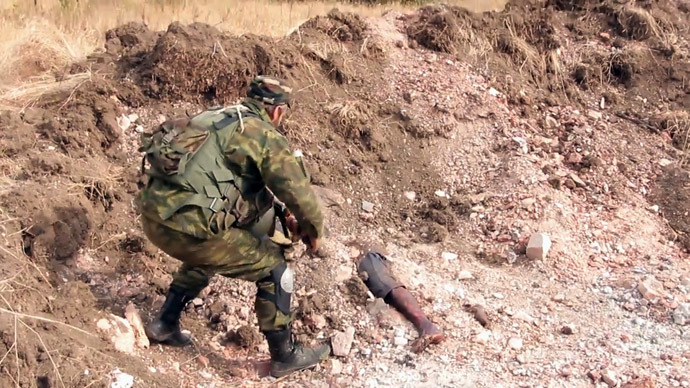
{"type": "Point", "coordinates": [234, 241]}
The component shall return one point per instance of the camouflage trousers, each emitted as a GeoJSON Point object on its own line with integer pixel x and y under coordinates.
{"type": "Point", "coordinates": [234, 253]}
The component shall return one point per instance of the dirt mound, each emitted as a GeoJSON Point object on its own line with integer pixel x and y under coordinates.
{"type": "Point", "coordinates": [673, 195]}
{"type": "Point", "coordinates": [417, 149]}
{"type": "Point", "coordinates": [522, 46]}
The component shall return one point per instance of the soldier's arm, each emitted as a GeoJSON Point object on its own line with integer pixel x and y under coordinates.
{"type": "Point", "coordinates": [288, 180]}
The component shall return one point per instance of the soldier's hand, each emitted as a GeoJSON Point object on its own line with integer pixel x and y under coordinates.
{"type": "Point", "coordinates": [293, 227]}
{"type": "Point", "coordinates": [312, 243]}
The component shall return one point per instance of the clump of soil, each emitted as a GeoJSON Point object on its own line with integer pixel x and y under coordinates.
{"type": "Point", "coordinates": [342, 26]}
{"type": "Point", "coordinates": [437, 28]}
{"type": "Point", "coordinates": [673, 196]}
{"type": "Point", "coordinates": [245, 337]}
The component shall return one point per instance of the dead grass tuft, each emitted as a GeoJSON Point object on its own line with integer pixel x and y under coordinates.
{"type": "Point", "coordinates": [349, 117]}
{"type": "Point", "coordinates": [677, 124]}
{"type": "Point", "coordinates": [526, 56]}
{"type": "Point", "coordinates": [637, 23]}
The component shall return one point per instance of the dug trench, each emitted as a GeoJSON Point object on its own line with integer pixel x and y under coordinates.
{"type": "Point", "coordinates": [444, 137]}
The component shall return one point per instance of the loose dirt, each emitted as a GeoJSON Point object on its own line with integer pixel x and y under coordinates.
{"type": "Point", "coordinates": [466, 132]}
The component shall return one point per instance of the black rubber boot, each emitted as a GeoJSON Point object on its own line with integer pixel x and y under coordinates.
{"type": "Point", "coordinates": [288, 357]}
{"type": "Point", "coordinates": [166, 327]}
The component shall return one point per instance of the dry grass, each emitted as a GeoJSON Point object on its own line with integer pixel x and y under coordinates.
{"type": "Point", "coordinates": [677, 124]}
{"type": "Point", "coordinates": [349, 117]}
{"type": "Point", "coordinates": [36, 40]}
{"type": "Point", "coordinates": [637, 23]}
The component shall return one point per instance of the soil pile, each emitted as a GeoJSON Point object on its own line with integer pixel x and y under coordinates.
{"type": "Point", "coordinates": [436, 132]}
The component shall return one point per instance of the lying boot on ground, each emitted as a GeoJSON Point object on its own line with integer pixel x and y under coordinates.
{"type": "Point", "coordinates": [288, 357]}
{"type": "Point", "coordinates": [166, 327]}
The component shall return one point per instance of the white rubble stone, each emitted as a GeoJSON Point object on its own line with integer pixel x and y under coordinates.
{"type": "Point", "coordinates": [681, 315]}
{"type": "Point", "coordinates": [119, 379]}
{"type": "Point", "coordinates": [400, 341]}
{"type": "Point", "coordinates": [650, 288]}
{"type": "Point", "coordinates": [118, 331]}
{"type": "Point", "coordinates": [515, 343]}
{"type": "Point", "coordinates": [342, 342]}
{"type": "Point", "coordinates": [538, 246]}
{"type": "Point", "coordinates": [609, 377]}
{"type": "Point", "coordinates": [134, 319]}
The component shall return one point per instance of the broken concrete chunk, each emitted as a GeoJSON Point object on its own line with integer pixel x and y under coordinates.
{"type": "Point", "coordinates": [650, 288]}
{"type": "Point", "coordinates": [134, 319]}
{"type": "Point", "coordinates": [538, 246]}
{"type": "Point", "coordinates": [342, 342]}
{"type": "Point", "coordinates": [118, 331]}
{"type": "Point", "coordinates": [681, 315]}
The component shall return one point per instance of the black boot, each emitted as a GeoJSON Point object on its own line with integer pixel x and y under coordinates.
{"type": "Point", "coordinates": [288, 357]}
{"type": "Point", "coordinates": [166, 327]}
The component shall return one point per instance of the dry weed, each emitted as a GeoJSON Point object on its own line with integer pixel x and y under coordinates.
{"type": "Point", "coordinates": [349, 117]}
{"type": "Point", "coordinates": [637, 23]}
{"type": "Point", "coordinates": [677, 124]}
{"type": "Point", "coordinates": [521, 52]}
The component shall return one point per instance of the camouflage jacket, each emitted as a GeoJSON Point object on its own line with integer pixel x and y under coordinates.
{"type": "Point", "coordinates": [260, 156]}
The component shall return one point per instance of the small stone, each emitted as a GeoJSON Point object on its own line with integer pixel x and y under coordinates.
{"type": "Point", "coordinates": [411, 195]}
{"type": "Point", "coordinates": [449, 256]}
{"type": "Point", "coordinates": [123, 122]}
{"type": "Point", "coordinates": [119, 379]}
{"type": "Point", "coordinates": [574, 158]}
{"type": "Point", "coordinates": [567, 329]}
{"type": "Point", "coordinates": [498, 295]}
{"type": "Point", "coordinates": [681, 315]}
{"type": "Point", "coordinates": [197, 302]}
{"type": "Point", "coordinates": [440, 193]}
{"type": "Point", "coordinates": [367, 206]}
{"type": "Point", "coordinates": [593, 114]}
{"type": "Point", "coordinates": [483, 337]}
{"type": "Point", "coordinates": [465, 275]}
{"type": "Point", "coordinates": [664, 162]}
{"type": "Point", "coordinates": [494, 92]}
{"type": "Point", "coordinates": [319, 321]}
{"type": "Point", "coordinates": [336, 366]}
{"type": "Point", "coordinates": [515, 343]}
{"type": "Point", "coordinates": [343, 273]}
{"type": "Point", "coordinates": [551, 122]}
{"type": "Point", "coordinates": [609, 377]}
{"type": "Point", "coordinates": [595, 376]}
{"type": "Point", "coordinates": [119, 332]}
{"type": "Point", "coordinates": [134, 319]}
{"type": "Point", "coordinates": [566, 371]}
{"type": "Point", "coordinates": [558, 298]}
{"type": "Point", "coordinates": [202, 361]}
{"type": "Point", "coordinates": [400, 341]}
{"type": "Point", "coordinates": [538, 246]}
{"type": "Point", "coordinates": [576, 179]}
{"type": "Point", "coordinates": [342, 342]}
{"type": "Point", "coordinates": [650, 288]}
{"type": "Point", "coordinates": [523, 316]}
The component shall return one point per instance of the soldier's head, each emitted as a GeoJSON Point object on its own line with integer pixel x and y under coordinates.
{"type": "Point", "coordinates": [274, 93]}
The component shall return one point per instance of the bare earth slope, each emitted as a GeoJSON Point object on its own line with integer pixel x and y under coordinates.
{"type": "Point", "coordinates": [467, 132]}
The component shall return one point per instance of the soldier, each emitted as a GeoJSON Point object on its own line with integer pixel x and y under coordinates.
{"type": "Point", "coordinates": [209, 202]}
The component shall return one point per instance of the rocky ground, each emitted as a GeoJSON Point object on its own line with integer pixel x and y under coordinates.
{"type": "Point", "coordinates": [529, 162]}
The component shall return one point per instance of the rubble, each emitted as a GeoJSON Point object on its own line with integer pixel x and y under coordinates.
{"type": "Point", "coordinates": [609, 377]}
{"type": "Point", "coordinates": [650, 288]}
{"type": "Point", "coordinates": [134, 319]}
{"type": "Point", "coordinates": [681, 315]}
{"type": "Point", "coordinates": [119, 379]}
{"type": "Point", "coordinates": [341, 342]}
{"type": "Point", "coordinates": [538, 246]}
{"type": "Point", "coordinates": [118, 331]}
